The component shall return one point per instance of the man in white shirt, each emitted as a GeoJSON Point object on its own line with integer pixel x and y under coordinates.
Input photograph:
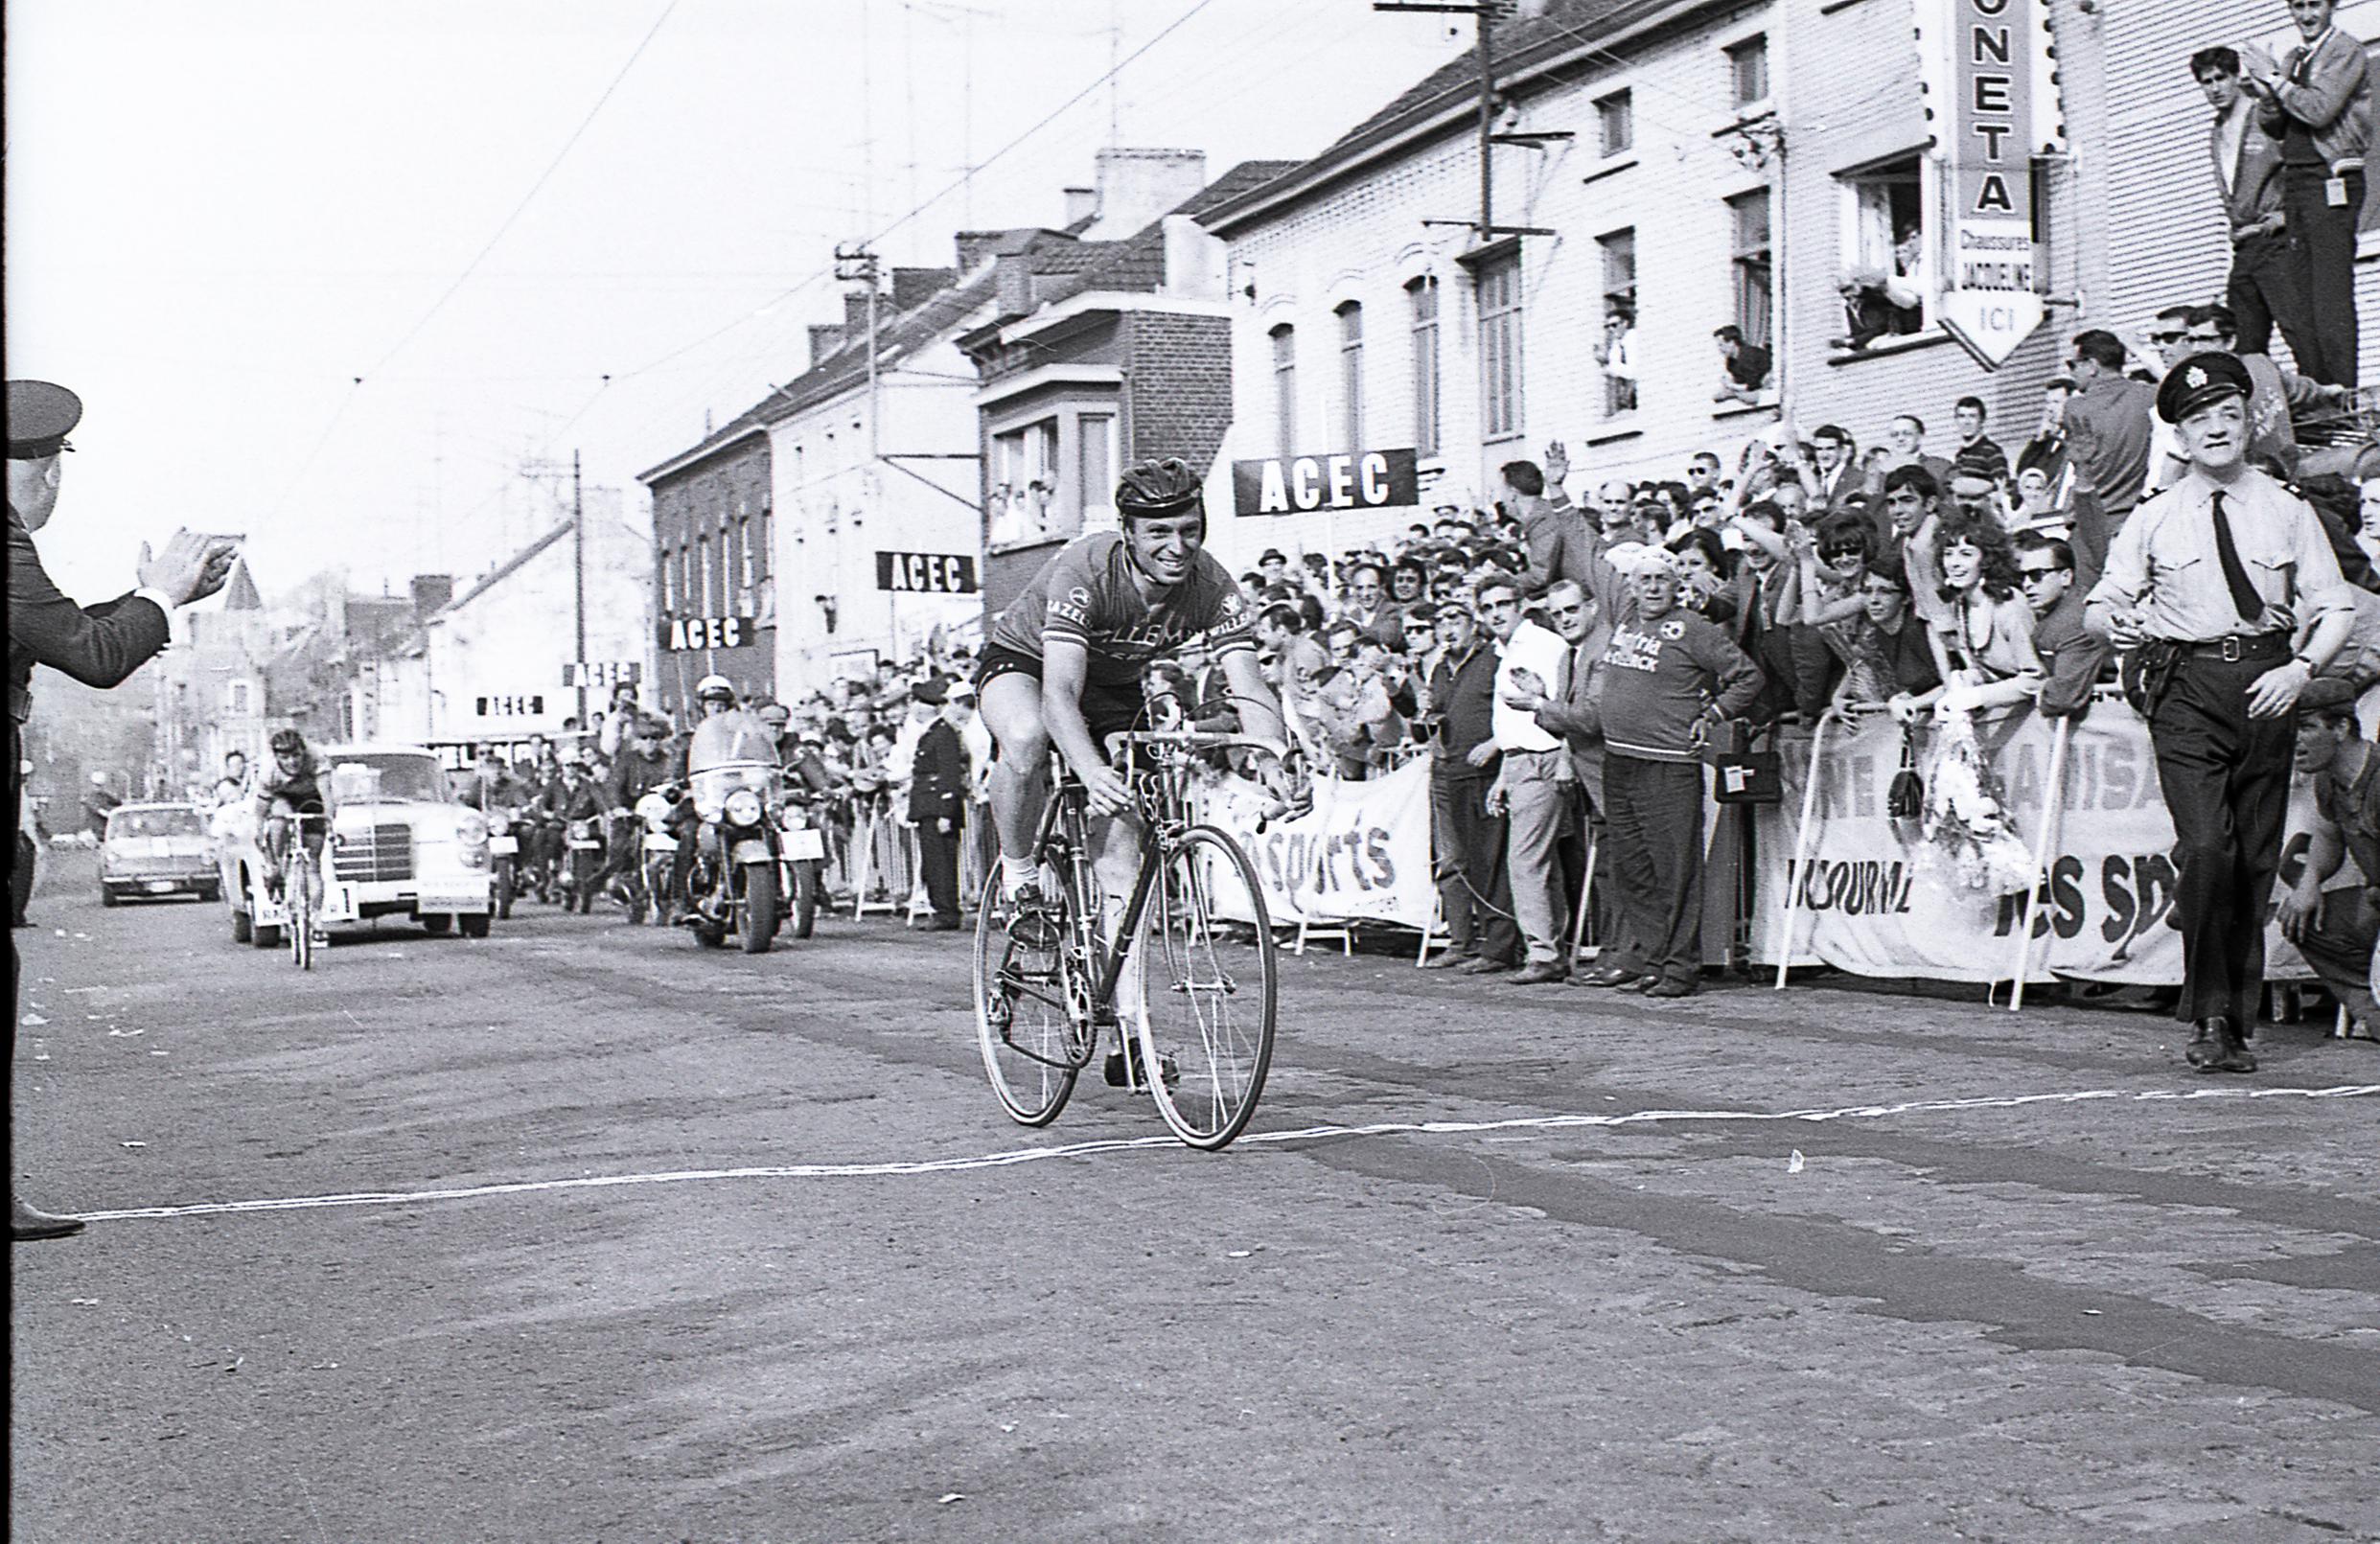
{"type": "Point", "coordinates": [1533, 782]}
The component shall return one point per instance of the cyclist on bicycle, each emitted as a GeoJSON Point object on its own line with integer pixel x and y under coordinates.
{"type": "Point", "coordinates": [295, 784]}
{"type": "Point", "coordinates": [1064, 664]}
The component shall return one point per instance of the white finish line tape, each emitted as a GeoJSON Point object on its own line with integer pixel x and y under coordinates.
{"type": "Point", "coordinates": [1091, 1149]}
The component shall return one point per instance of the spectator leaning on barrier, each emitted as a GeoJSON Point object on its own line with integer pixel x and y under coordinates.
{"type": "Point", "coordinates": [2319, 106]}
{"type": "Point", "coordinates": [2204, 588]}
{"type": "Point", "coordinates": [1964, 578]}
{"type": "Point", "coordinates": [1670, 680]}
{"type": "Point", "coordinates": [1533, 780]}
{"type": "Point", "coordinates": [1887, 653]}
{"type": "Point", "coordinates": [2071, 656]}
{"type": "Point", "coordinates": [2336, 931]}
{"type": "Point", "coordinates": [1472, 888]}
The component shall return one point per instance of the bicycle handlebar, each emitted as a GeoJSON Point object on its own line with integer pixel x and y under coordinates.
{"type": "Point", "coordinates": [1194, 740]}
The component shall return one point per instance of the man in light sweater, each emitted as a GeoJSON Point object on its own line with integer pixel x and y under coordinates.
{"type": "Point", "coordinates": [1669, 678]}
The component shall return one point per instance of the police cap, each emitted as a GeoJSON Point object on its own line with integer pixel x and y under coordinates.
{"type": "Point", "coordinates": [932, 690]}
{"type": "Point", "coordinates": [41, 414]}
{"type": "Point", "coordinates": [2202, 381]}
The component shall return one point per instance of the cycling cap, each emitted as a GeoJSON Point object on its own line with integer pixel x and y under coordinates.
{"type": "Point", "coordinates": [1157, 488]}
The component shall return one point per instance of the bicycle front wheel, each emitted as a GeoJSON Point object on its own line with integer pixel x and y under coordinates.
{"type": "Point", "coordinates": [1209, 985]}
{"type": "Point", "coordinates": [1024, 1013]}
{"type": "Point", "coordinates": [298, 885]}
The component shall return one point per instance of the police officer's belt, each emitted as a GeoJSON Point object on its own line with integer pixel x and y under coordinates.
{"type": "Point", "coordinates": [2258, 646]}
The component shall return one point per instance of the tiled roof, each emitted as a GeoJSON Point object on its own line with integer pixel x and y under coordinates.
{"type": "Point", "coordinates": [1519, 42]}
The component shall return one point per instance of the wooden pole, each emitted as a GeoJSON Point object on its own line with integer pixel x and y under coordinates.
{"type": "Point", "coordinates": [1801, 845]}
{"type": "Point", "coordinates": [2052, 808]}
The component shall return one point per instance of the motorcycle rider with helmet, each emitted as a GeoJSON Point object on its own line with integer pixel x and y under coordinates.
{"type": "Point", "coordinates": [639, 768]}
{"type": "Point", "coordinates": [713, 694]}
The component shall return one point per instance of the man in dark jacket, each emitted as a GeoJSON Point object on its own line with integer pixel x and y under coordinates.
{"type": "Point", "coordinates": [639, 768]}
{"type": "Point", "coordinates": [2072, 655]}
{"type": "Point", "coordinates": [937, 805]}
{"type": "Point", "coordinates": [98, 645]}
{"type": "Point", "coordinates": [1474, 891]}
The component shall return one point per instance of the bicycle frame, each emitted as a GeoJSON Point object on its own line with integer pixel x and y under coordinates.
{"type": "Point", "coordinates": [1161, 808]}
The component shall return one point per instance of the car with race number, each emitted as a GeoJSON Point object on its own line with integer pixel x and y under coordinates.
{"type": "Point", "coordinates": [401, 847]}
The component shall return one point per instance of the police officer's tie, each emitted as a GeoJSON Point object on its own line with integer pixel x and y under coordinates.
{"type": "Point", "coordinates": [2244, 596]}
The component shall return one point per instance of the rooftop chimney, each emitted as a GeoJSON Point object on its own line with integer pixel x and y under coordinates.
{"type": "Point", "coordinates": [973, 246]}
{"type": "Point", "coordinates": [914, 287]}
{"type": "Point", "coordinates": [430, 592]}
{"type": "Point", "coordinates": [1081, 203]}
{"type": "Point", "coordinates": [824, 339]}
{"type": "Point", "coordinates": [855, 315]}
{"type": "Point", "coordinates": [1137, 186]}
{"type": "Point", "coordinates": [1015, 276]}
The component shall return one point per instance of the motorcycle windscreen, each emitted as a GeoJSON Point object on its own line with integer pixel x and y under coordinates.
{"type": "Point", "coordinates": [728, 739]}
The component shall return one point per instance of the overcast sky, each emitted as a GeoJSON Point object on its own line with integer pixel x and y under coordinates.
{"type": "Point", "coordinates": [220, 215]}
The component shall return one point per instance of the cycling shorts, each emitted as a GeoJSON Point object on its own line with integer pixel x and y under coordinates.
{"type": "Point", "coordinates": [285, 810]}
{"type": "Point", "coordinates": [1106, 709]}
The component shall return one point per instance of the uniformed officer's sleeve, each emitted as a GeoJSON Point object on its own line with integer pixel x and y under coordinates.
{"type": "Point", "coordinates": [2126, 575]}
{"type": "Point", "coordinates": [98, 646]}
{"type": "Point", "coordinates": [2322, 590]}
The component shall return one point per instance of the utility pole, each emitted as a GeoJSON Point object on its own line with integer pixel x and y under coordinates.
{"type": "Point", "coordinates": [578, 581]}
{"type": "Point", "coordinates": [857, 263]}
{"type": "Point", "coordinates": [1485, 229]}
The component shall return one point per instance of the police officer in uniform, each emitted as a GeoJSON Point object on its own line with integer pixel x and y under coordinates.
{"type": "Point", "coordinates": [2204, 588]}
{"type": "Point", "coordinates": [98, 645]}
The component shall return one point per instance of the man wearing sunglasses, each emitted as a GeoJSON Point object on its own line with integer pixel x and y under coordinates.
{"type": "Point", "coordinates": [2072, 656]}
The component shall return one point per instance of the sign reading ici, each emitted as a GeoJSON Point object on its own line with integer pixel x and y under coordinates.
{"type": "Point", "coordinates": [1993, 104]}
{"type": "Point", "coordinates": [1293, 485]}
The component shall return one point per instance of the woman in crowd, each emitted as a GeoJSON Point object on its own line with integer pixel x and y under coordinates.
{"type": "Point", "coordinates": [1886, 649]}
{"type": "Point", "coordinates": [1963, 576]}
{"type": "Point", "coordinates": [1703, 582]}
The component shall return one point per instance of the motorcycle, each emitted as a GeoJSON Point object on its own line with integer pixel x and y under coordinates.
{"type": "Point", "coordinates": [801, 861]}
{"type": "Point", "coordinates": [504, 857]}
{"type": "Point", "coordinates": [736, 883]}
{"type": "Point", "coordinates": [647, 880]}
{"type": "Point", "coordinates": [582, 864]}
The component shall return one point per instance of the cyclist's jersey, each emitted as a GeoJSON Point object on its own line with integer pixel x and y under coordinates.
{"type": "Point", "coordinates": [1086, 593]}
{"type": "Point", "coordinates": [301, 788]}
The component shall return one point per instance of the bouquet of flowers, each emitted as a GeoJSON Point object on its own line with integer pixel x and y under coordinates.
{"type": "Point", "coordinates": [1967, 833]}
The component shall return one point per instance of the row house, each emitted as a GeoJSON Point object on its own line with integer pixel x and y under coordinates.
{"type": "Point", "coordinates": [1668, 167]}
{"type": "Point", "coordinates": [873, 456]}
{"type": "Point", "coordinates": [1101, 352]}
{"type": "Point", "coordinates": [712, 590]}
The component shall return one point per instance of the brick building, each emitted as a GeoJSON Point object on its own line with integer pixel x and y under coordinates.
{"type": "Point", "coordinates": [1692, 162]}
{"type": "Point", "coordinates": [1102, 352]}
{"type": "Point", "coordinates": [713, 567]}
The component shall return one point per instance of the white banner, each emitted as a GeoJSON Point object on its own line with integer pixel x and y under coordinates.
{"type": "Point", "coordinates": [1361, 854]}
{"type": "Point", "coordinates": [1874, 901]}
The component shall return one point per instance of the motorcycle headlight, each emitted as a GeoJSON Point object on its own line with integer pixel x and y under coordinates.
{"type": "Point", "coordinates": [471, 831]}
{"type": "Point", "coordinates": [792, 817]}
{"type": "Point", "coordinates": [742, 807]}
{"type": "Point", "coordinates": [498, 824]}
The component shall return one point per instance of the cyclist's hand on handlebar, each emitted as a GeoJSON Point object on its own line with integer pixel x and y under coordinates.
{"type": "Point", "coordinates": [1105, 789]}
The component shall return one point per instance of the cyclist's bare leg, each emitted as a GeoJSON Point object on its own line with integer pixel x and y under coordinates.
{"type": "Point", "coordinates": [1020, 780]}
{"type": "Point", "coordinates": [276, 847]}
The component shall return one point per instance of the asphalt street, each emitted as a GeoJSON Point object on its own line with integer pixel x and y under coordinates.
{"type": "Point", "coordinates": [583, 1232]}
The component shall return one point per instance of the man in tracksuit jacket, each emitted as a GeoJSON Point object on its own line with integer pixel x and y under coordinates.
{"type": "Point", "coordinates": [1669, 678]}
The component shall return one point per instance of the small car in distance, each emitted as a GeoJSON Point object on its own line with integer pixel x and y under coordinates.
{"type": "Point", "coordinates": [154, 850]}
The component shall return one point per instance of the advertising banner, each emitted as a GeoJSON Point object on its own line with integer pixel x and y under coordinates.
{"type": "Point", "coordinates": [1874, 897]}
{"type": "Point", "coordinates": [1361, 854]}
{"type": "Point", "coordinates": [1295, 485]}
{"type": "Point", "coordinates": [926, 573]}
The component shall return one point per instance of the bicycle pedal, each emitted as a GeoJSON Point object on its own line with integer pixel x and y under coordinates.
{"type": "Point", "coordinates": [1122, 1073]}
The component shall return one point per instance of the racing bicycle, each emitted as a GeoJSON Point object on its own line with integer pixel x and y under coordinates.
{"type": "Point", "coordinates": [1200, 1003]}
{"type": "Point", "coordinates": [297, 885]}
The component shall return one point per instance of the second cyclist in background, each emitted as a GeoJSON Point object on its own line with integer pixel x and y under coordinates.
{"type": "Point", "coordinates": [295, 783]}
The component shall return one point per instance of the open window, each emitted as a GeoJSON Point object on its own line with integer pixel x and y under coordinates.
{"type": "Point", "coordinates": [1615, 351]}
{"type": "Point", "coordinates": [1887, 280]}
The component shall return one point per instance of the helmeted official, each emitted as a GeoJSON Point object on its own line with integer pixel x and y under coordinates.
{"type": "Point", "coordinates": [98, 645]}
{"type": "Point", "coordinates": [2226, 595]}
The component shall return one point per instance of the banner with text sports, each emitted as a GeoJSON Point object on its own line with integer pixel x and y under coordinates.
{"type": "Point", "coordinates": [1361, 854]}
{"type": "Point", "coordinates": [1873, 901]}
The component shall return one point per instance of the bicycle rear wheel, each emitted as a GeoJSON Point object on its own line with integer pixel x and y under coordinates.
{"type": "Point", "coordinates": [1024, 1014]}
{"type": "Point", "coordinates": [1209, 985]}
